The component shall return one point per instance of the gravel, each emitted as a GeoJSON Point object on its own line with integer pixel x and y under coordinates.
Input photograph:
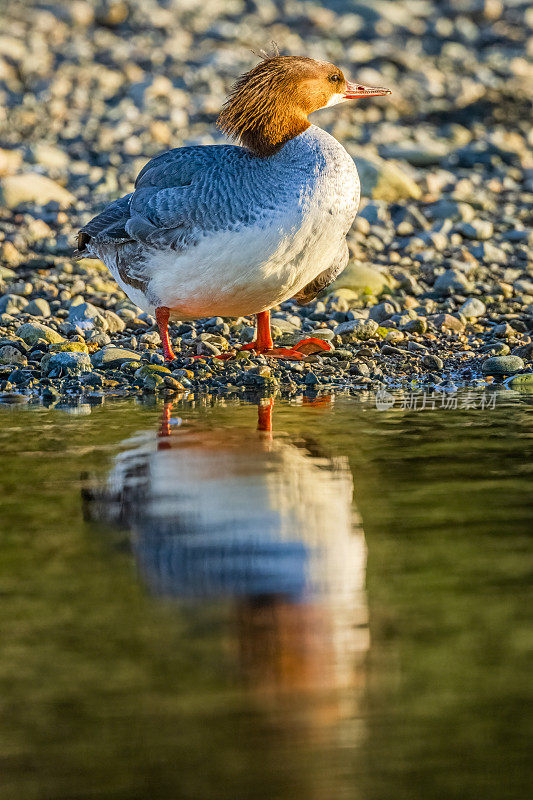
{"type": "Point", "coordinates": [439, 288]}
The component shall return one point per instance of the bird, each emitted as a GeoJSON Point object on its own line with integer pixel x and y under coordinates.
{"type": "Point", "coordinates": [233, 230]}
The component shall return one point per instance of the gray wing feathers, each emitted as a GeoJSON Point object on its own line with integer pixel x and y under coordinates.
{"type": "Point", "coordinates": [179, 196]}
{"type": "Point", "coordinates": [164, 218]}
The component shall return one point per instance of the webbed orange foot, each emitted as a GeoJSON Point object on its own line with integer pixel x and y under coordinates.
{"type": "Point", "coordinates": [305, 347]}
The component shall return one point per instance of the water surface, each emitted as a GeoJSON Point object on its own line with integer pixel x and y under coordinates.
{"type": "Point", "coordinates": [195, 606]}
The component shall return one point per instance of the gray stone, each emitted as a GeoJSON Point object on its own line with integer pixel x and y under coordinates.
{"type": "Point", "coordinates": [498, 349]}
{"type": "Point", "coordinates": [418, 156]}
{"type": "Point", "coordinates": [489, 253]}
{"type": "Point", "coordinates": [286, 325]}
{"type": "Point", "coordinates": [503, 330]}
{"type": "Point", "coordinates": [357, 329]}
{"type": "Point", "coordinates": [451, 281]}
{"type": "Point", "coordinates": [38, 308]}
{"type": "Point", "coordinates": [381, 312]}
{"type": "Point", "coordinates": [389, 350]}
{"type": "Point", "coordinates": [473, 308]}
{"type": "Point", "coordinates": [12, 303]}
{"type": "Point", "coordinates": [479, 229]}
{"type": "Point", "coordinates": [361, 279]}
{"type": "Point", "coordinates": [30, 332]}
{"type": "Point", "coordinates": [502, 365]}
{"type": "Point", "coordinates": [32, 188]}
{"type": "Point", "coordinates": [418, 325]}
{"type": "Point", "coordinates": [12, 355]}
{"type": "Point", "coordinates": [114, 323]}
{"type": "Point", "coordinates": [323, 333]}
{"type": "Point", "coordinates": [49, 156]}
{"type": "Point", "coordinates": [381, 180]}
{"type": "Point", "coordinates": [86, 316]}
{"type": "Point", "coordinates": [113, 357]}
{"type": "Point", "coordinates": [67, 363]}
{"type": "Point", "coordinates": [374, 213]}
{"type": "Point", "coordinates": [523, 286]}
{"type": "Point", "coordinates": [97, 337]}
{"type": "Point", "coordinates": [447, 322]}
{"type": "Point", "coordinates": [449, 209]}
{"type": "Point", "coordinates": [525, 351]}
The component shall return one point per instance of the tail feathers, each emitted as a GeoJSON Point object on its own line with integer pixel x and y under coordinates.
{"type": "Point", "coordinates": [109, 225]}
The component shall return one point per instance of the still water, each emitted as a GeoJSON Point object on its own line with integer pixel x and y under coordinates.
{"type": "Point", "coordinates": [228, 602]}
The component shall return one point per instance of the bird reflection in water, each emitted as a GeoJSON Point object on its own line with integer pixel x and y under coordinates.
{"type": "Point", "coordinates": [267, 522]}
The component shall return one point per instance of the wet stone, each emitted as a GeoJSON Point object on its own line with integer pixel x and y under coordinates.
{"type": "Point", "coordinates": [12, 355]}
{"type": "Point", "coordinates": [433, 362]}
{"type": "Point", "coordinates": [67, 363]}
{"type": "Point", "coordinates": [172, 383]}
{"type": "Point", "coordinates": [151, 369]}
{"type": "Point", "coordinates": [50, 394]}
{"type": "Point", "coordinates": [522, 383]}
{"type": "Point", "coordinates": [502, 365]}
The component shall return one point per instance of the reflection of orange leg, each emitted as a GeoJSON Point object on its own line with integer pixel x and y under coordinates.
{"type": "Point", "coordinates": [164, 427]}
{"type": "Point", "coordinates": [162, 314]}
{"type": "Point", "coordinates": [264, 416]}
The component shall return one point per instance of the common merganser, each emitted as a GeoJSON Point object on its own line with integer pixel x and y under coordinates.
{"type": "Point", "coordinates": [227, 230]}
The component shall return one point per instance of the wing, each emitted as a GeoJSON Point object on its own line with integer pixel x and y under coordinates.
{"type": "Point", "coordinates": [183, 194]}
{"type": "Point", "coordinates": [323, 280]}
{"type": "Point", "coordinates": [179, 196]}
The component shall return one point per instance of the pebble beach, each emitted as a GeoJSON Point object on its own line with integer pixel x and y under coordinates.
{"type": "Point", "coordinates": [438, 293]}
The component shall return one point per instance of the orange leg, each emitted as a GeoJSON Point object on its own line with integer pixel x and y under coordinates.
{"type": "Point", "coordinates": [264, 344]}
{"type": "Point", "coordinates": [162, 314]}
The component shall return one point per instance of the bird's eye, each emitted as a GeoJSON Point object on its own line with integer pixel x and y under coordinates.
{"type": "Point", "coordinates": [335, 78]}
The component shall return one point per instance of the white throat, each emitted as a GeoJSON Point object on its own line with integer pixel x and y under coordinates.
{"type": "Point", "coordinates": [334, 100]}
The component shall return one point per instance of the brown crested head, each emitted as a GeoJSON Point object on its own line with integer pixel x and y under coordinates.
{"type": "Point", "coordinates": [269, 105]}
